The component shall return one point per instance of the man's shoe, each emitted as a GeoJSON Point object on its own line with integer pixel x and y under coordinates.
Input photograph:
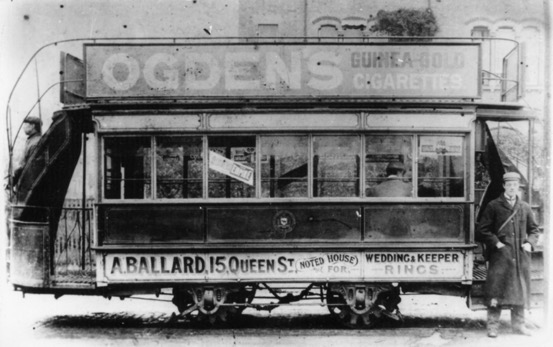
{"type": "Point", "coordinates": [522, 331]}
{"type": "Point", "coordinates": [492, 333]}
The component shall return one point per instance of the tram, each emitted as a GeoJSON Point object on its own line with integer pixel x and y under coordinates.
{"type": "Point", "coordinates": [350, 173]}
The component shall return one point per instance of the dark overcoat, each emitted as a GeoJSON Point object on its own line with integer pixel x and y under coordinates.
{"type": "Point", "coordinates": [508, 278]}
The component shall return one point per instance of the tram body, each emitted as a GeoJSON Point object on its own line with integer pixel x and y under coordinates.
{"type": "Point", "coordinates": [220, 169]}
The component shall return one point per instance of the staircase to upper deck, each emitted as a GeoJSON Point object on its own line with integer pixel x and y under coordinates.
{"type": "Point", "coordinates": [38, 201]}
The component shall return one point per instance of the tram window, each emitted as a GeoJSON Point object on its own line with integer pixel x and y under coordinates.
{"type": "Point", "coordinates": [179, 167]}
{"type": "Point", "coordinates": [127, 168]}
{"type": "Point", "coordinates": [441, 166]}
{"type": "Point", "coordinates": [388, 166]}
{"type": "Point", "coordinates": [284, 166]}
{"type": "Point", "coordinates": [231, 167]}
{"type": "Point", "coordinates": [336, 166]}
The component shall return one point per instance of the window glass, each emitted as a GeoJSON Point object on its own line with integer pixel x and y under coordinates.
{"type": "Point", "coordinates": [179, 167]}
{"type": "Point", "coordinates": [481, 32]}
{"type": "Point", "coordinates": [267, 30]}
{"type": "Point", "coordinates": [284, 166]}
{"type": "Point", "coordinates": [328, 31]}
{"type": "Point", "coordinates": [336, 166]}
{"type": "Point", "coordinates": [127, 168]}
{"type": "Point", "coordinates": [441, 166]}
{"type": "Point", "coordinates": [388, 169]}
{"type": "Point", "coordinates": [231, 167]}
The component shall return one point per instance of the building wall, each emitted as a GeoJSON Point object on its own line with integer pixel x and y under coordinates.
{"type": "Point", "coordinates": [520, 20]}
{"type": "Point", "coordinates": [256, 15]}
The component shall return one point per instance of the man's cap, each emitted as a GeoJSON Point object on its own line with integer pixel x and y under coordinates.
{"type": "Point", "coordinates": [511, 176]}
{"type": "Point", "coordinates": [32, 120]}
{"type": "Point", "coordinates": [395, 165]}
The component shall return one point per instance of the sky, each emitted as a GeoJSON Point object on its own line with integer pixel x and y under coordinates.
{"type": "Point", "coordinates": [26, 26]}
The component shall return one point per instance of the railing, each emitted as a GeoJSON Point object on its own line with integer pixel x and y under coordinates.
{"type": "Point", "coordinates": [73, 256]}
{"type": "Point", "coordinates": [68, 251]}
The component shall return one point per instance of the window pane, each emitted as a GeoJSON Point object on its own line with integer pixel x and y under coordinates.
{"type": "Point", "coordinates": [179, 166]}
{"type": "Point", "coordinates": [336, 166]}
{"type": "Point", "coordinates": [328, 31]}
{"type": "Point", "coordinates": [388, 169]}
{"type": "Point", "coordinates": [127, 168]}
{"type": "Point", "coordinates": [231, 167]}
{"type": "Point", "coordinates": [284, 166]}
{"type": "Point", "coordinates": [267, 30]}
{"type": "Point", "coordinates": [441, 166]}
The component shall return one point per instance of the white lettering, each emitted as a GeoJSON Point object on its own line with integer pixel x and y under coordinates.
{"type": "Point", "coordinates": [316, 65]}
{"type": "Point", "coordinates": [170, 76]}
{"type": "Point", "coordinates": [241, 71]}
{"type": "Point", "coordinates": [202, 71]}
{"type": "Point", "coordinates": [120, 82]}
{"type": "Point", "coordinates": [276, 66]}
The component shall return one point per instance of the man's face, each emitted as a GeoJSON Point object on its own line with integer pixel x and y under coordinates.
{"type": "Point", "coordinates": [28, 128]}
{"type": "Point", "coordinates": [511, 188]}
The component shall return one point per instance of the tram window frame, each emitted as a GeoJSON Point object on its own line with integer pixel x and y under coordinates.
{"type": "Point", "coordinates": [257, 190]}
{"type": "Point", "coordinates": [330, 183]}
{"type": "Point", "coordinates": [293, 183]}
{"type": "Point", "coordinates": [382, 167]}
{"type": "Point", "coordinates": [231, 185]}
{"type": "Point", "coordinates": [110, 180]}
{"type": "Point", "coordinates": [434, 183]}
{"type": "Point", "coordinates": [179, 179]}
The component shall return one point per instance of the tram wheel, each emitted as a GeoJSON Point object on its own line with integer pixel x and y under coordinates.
{"type": "Point", "coordinates": [354, 319]}
{"type": "Point", "coordinates": [227, 313]}
{"type": "Point", "coordinates": [213, 305]}
{"type": "Point", "coordinates": [182, 299]}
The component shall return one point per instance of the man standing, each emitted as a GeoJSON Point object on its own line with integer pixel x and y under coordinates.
{"type": "Point", "coordinates": [510, 232]}
{"type": "Point", "coordinates": [32, 126]}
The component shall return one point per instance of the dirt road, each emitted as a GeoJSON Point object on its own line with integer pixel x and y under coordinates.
{"type": "Point", "coordinates": [41, 320]}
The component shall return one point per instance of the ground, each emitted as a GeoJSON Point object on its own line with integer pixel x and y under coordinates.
{"type": "Point", "coordinates": [41, 320]}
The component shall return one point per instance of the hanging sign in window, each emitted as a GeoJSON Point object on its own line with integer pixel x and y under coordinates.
{"type": "Point", "coordinates": [230, 168]}
{"type": "Point", "coordinates": [441, 145]}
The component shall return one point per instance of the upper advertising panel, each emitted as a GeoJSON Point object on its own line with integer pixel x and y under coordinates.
{"type": "Point", "coordinates": [283, 70]}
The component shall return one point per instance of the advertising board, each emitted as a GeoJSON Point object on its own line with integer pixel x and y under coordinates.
{"type": "Point", "coordinates": [278, 70]}
{"type": "Point", "coordinates": [323, 266]}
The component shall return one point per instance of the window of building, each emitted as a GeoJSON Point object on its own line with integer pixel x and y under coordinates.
{"type": "Point", "coordinates": [482, 32]}
{"type": "Point", "coordinates": [354, 30]}
{"type": "Point", "coordinates": [531, 56]}
{"type": "Point", "coordinates": [328, 30]}
{"type": "Point", "coordinates": [502, 47]}
{"type": "Point", "coordinates": [267, 30]}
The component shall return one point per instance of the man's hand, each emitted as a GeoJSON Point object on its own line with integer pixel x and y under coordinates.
{"type": "Point", "coordinates": [499, 245]}
{"type": "Point", "coordinates": [527, 247]}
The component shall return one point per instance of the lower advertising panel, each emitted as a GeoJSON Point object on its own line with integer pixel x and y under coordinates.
{"type": "Point", "coordinates": [284, 266]}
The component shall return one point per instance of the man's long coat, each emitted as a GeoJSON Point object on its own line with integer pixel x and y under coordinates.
{"type": "Point", "coordinates": [508, 278]}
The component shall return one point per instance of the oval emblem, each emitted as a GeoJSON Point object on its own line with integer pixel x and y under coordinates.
{"type": "Point", "coordinates": [284, 222]}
